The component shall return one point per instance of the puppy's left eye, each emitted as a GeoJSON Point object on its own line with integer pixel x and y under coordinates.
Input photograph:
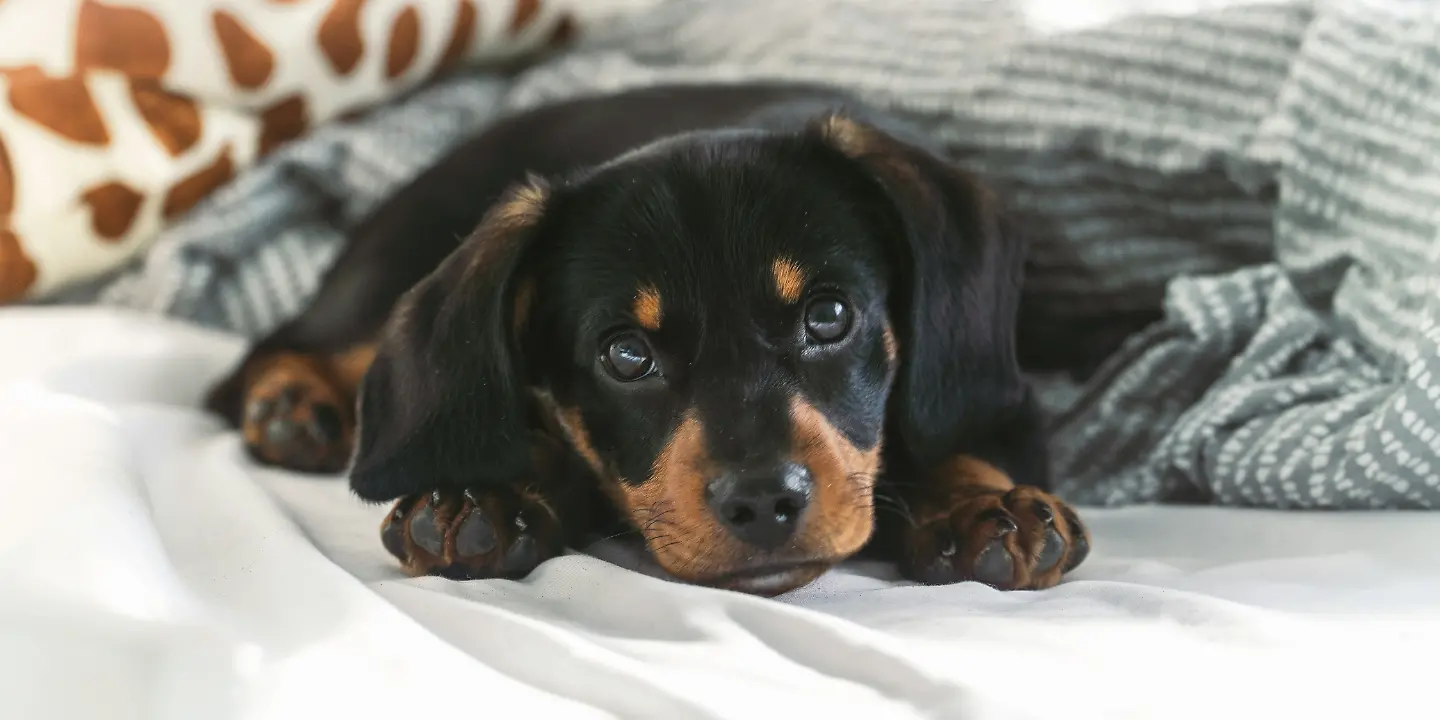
{"type": "Point", "coordinates": [627, 357]}
{"type": "Point", "coordinates": [827, 319]}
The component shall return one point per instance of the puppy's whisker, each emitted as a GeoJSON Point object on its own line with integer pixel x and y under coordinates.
{"type": "Point", "coordinates": [618, 534]}
{"type": "Point", "coordinates": [897, 512]}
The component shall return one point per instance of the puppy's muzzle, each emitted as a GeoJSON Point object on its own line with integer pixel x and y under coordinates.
{"type": "Point", "coordinates": [762, 508]}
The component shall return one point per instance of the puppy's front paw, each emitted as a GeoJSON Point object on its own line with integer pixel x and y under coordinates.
{"type": "Point", "coordinates": [1020, 539]}
{"type": "Point", "coordinates": [295, 419]}
{"type": "Point", "coordinates": [471, 535]}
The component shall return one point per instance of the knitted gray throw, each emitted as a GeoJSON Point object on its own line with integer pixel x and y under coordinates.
{"type": "Point", "coordinates": [1269, 169]}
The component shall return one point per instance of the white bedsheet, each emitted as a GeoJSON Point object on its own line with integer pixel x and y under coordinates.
{"type": "Point", "coordinates": [147, 570]}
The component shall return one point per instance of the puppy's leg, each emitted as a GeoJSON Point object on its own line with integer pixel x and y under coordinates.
{"type": "Point", "coordinates": [485, 532]}
{"type": "Point", "coordinates": [297, 409]}
{"type": "Point", "coordinates": [972, 522]}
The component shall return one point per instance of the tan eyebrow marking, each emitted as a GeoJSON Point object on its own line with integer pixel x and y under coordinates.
{"type": "Point", "coordinates": [647, 307]}
{"type": "Point", "coordinates": [789, 279]}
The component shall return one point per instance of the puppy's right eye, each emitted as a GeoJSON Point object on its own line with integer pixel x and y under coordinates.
{"type": "Point", "coordinates": [627, 357]}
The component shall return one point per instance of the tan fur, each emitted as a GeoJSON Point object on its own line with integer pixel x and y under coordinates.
{"type": "Point", "coordinates": [524, 299]}
{"type": "Point", "coordinates": [966, 472]}
{"type": "Point", "coordinates": [892, 346]}
{"type": "Point", "coordinates": [840, 518]}
{"type": "Point", "coordinates": [349, 367]}
{"type": "Point", "coordinates": [521, 208]}
{"type": "Point", "coordinates": [688, 541]}
{"type": "Point", "coordinates": [574, 426]}
{"type": "Point", "coordinates": [847, 136]}
{"type": "Point", "coordinates": [647, 308]}
{"type": "Point", "coordinates": [789, 279]}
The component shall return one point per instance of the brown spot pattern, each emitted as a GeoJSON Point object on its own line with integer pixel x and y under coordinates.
{"type": "Point", "coordinates": [525, 11]}
{"type": "Point", "coordinates": [249, 61]}
{"type": "Point", "coordinates": [404, 43]}
{"type": "Point", "coordinates": [125, 39]}
{"type": "Point", "coordinates": [282, 122]}
{"type": "Point", "coordinates": [173, 119]}
{"type": "Point", "coordinates": [646, 308]}
{"type": "Point", "coordinates": [789, 279]}
{"type": "Point", "coordinates": [7, 182]}
{"type": "Point", "coordinates": [17, 271]}
{"type": "Point", "coordinates": [340, 37]}
{"type": "Point", "coordinates": [461, 34]}
{"type": "Point", "coordinates": [563, 33]}
{"type": "Point", "coordinates": [191, 190]}
{"type": "Point", "coordinates": [113, 207]}
{"type": "Point", "coordinates": [61, 105]}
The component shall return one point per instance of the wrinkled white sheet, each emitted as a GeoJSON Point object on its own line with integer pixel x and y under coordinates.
{"type": "Point", "coordinates": [147, 570]}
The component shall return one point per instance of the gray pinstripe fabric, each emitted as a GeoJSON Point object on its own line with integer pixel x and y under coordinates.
{"type": "Point", "coordinates": [1268, 169]}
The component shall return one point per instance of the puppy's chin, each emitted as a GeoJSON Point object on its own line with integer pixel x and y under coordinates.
{"type": "Point", "coordinates": [769, 582]}
{"type": "Point", "coordinates": [766, 580]}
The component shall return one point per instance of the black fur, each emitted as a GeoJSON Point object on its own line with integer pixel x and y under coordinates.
{"type": "Point", "coordinates": [694, 192]}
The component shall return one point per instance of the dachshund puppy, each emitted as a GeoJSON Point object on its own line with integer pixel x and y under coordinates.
{"type": "Point", "coordinates": [735, 320]}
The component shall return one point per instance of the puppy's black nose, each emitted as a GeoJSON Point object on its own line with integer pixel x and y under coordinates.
{"type": "Point", "coordinates": [761, 508]}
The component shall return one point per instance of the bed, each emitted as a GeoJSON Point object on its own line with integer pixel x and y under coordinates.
{"type": "Point", "coordinates": [152, 571]}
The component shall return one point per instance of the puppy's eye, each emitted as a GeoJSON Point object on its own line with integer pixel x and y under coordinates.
{"type": "Point", "coordinates": [827, 319]}
{"type": "Point", "coordinates": [627, 357]}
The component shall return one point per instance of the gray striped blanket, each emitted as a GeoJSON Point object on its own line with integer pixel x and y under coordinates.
{"type": "Point", "coordinates": [1267, 169]}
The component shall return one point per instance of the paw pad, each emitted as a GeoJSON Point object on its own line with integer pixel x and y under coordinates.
{"type": "Point", "coordinates": [1008, 540]}
{"type": "Point", "coordinates": [294, 420]}
{"type": "Point", "coordinates": [466, 537]}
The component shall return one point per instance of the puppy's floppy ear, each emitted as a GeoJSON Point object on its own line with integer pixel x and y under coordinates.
{"type": "Point", "coordinates": [444, 403]}
{"type": "Point", "coordinates": [960, 264]}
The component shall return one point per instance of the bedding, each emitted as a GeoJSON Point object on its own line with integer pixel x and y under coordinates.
{"type": "Point", "coordinates": [151, 571]}
{"type": "Point", "coordinates": [1261, 170]}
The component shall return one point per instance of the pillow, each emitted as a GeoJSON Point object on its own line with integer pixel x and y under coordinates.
{"type": "Point", "coordinates": [117, 116]}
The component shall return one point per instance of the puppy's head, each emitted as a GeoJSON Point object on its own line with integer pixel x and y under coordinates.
{"type": "Point", "coordinates": [716, 323]}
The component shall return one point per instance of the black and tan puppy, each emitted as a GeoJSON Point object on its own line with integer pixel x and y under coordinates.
{"type": "Point", "coordinates": [731, 319]}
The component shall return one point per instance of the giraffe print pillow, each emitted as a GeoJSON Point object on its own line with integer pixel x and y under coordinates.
{"type": "Point", "coordinates": [117, 116]}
